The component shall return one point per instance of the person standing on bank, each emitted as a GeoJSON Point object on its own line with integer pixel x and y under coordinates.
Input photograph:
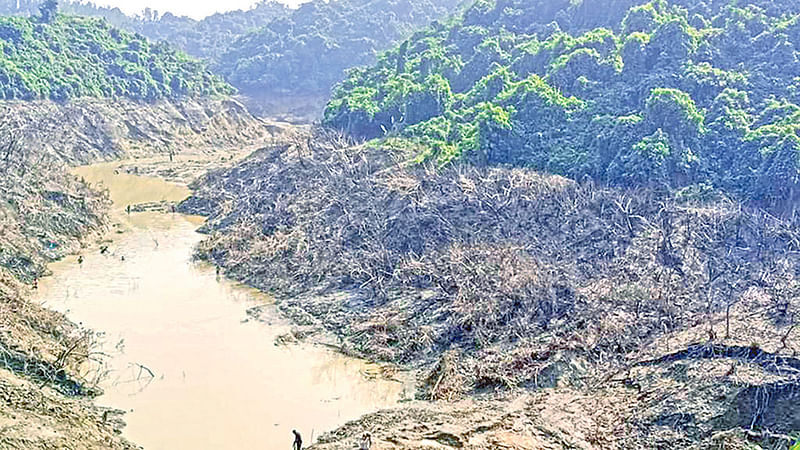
{"type": "Point", "coordinates": [298, 441]}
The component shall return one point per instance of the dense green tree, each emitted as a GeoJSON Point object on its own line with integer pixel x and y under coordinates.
{"type": "Point", "coordinates": [663, 93]}
{"type": "Point", "coordinates": [310, 49]}
{"type": "Point", "coordinates": [71, 57]}
{"type": "Point", "coordinates": [207, 38]}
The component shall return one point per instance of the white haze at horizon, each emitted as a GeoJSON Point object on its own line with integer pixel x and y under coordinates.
{"type": "Point", "coordinates": [196, 9]}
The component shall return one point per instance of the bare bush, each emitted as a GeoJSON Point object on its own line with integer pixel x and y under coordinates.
{"type": "Point", "coordinates": [489, 259]}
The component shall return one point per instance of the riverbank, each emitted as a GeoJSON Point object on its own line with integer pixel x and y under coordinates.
{"type": "Point", "coordinates": [45, 214]}
{"type": "Point", "coordinates": [183, 356]}
{"type": "Point", "coordinates": [509, 288]}
{"type": "Point", "coordinates": [46, 394]}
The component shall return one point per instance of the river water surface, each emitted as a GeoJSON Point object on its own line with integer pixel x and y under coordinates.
{"type": "Point", "coordinates": [218, 380]}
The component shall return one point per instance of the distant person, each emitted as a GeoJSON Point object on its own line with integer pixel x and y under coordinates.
{"type": "Point", "coordinates": [80, 259]}
{"type": "Point", "coordinates": [298, 441]}
{"type": "Point", "coordinates": [366, 442]}
{"type": "Point", "coordinates": [122, 258]}
{"type": "Point", "coordinates": [128, 209]}
{"type": "Point", "coordinates": [35, 283]}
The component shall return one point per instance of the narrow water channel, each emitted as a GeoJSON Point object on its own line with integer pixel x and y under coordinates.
{"type": "Point", "coordinates": [219, 381]}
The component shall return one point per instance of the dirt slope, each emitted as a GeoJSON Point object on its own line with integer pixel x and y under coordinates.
{"type": "Point", "coordinates": [88, 130]}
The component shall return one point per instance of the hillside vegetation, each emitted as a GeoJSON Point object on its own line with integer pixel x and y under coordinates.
{"type": "Point", "coordinates": [58, 57]}
{"type": "Point", "coordinates": [667, 94]}
{"type": "Point", "coordinates": [206, 38]}
{"type": "Point", "coordinates": [309, 50]}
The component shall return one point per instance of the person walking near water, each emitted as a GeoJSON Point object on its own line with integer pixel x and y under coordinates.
{"type": "Point", "coordinates": [366, 442]}
{"type": "Point", "coordinates": [298, 441]}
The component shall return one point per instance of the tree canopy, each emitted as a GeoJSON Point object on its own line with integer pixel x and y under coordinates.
{"type": "Point", "coordinates": [667, 94]}
{"type": "Point", "coordinates": [60, 57]}
{"type": "Point", "coordinates": [206, 38]}
{"type": "Point", "coordinates": [310, 49]}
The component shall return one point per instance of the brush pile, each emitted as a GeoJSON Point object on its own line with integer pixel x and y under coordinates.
{"type": "Point", "coordinates": [536, 280]}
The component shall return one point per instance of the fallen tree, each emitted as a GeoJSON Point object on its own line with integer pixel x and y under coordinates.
{"type": "Point", "coordinates": [535, 280]}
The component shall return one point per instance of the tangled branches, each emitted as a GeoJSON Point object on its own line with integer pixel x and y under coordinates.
{"type": "Point", "coordinates": [494, 261]}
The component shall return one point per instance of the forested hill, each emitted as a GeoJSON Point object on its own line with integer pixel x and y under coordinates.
{"type": "Point", "coordinates": [206, 38]}
{"type": "Point", "coordinates": [309, 50]}
{"type": "Point", "coordinates": [54, 56]}
{"type": "Point", "coordinates": [692, 95]}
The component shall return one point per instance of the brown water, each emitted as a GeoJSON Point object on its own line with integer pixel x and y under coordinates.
{"type": "Point", "coordinates": [219, 380]}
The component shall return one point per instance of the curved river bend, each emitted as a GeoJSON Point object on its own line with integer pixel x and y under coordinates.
{"type": "Point", "coordinates": [218, 380]}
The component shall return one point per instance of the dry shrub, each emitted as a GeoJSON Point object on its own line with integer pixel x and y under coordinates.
{"type": "Point", "coordinates": [447, 380]}
{"type": "Point", "coordinates": [481, 258]}
{"type": "Point", "coordinates": [45, 213]}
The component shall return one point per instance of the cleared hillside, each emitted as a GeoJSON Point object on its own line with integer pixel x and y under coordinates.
{"type": "Point", "coordinates": [500, 282]}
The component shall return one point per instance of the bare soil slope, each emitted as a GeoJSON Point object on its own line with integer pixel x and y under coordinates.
{"type": "Point", "coordinates": [88, 130]}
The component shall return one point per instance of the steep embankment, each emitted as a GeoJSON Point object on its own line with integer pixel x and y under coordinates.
{"type": "Point", "coordinates": [90, 129]}
{"type": "Point", "coordinates": [675, 312]}
{"type": "Point", "coordinates": [44, 214]}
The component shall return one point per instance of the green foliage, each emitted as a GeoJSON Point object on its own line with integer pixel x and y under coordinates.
{"type": "Point", "coordinates": [673, 109]}
{"type": "Point", "coordinates": [73, 57]}
{"type": "Point", "coordinates": [667, 93]}
{"type": "Point", "coordinates": [310, 49]}
{"type": "Point", "coordinates": [207, 38]}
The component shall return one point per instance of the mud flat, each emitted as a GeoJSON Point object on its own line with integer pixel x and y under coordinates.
{"type": "Point", "coordinates": [182, 357]}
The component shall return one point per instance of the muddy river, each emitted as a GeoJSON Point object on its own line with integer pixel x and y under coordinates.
{"type": "Point", "coordinates": [183, 359]}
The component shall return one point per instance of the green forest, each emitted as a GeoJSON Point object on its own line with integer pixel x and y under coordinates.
{"type": "Point", "coordinates": [309, 50]}
{"type": "Point", "coordinates": [680, 95]}
{"type": "Point", "coordinates": [271, 48]}
{"type": "Point", "coordinates": [205, 39]}
{"type": "Point", "coordinates": [59, 57]}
